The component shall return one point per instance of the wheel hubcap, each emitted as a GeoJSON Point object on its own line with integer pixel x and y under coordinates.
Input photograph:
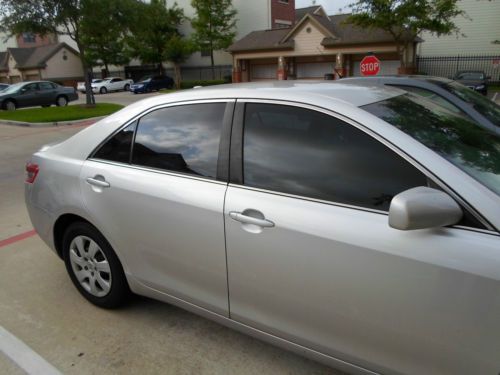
{"type": "Point", "coordinates": [90, 266]}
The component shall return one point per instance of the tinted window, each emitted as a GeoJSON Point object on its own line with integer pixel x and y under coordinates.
{"type": "Point", "coordinates": [432, 96]}
{"type": "Point", "coordinates": [471, 148]}
{"type": "Point", "coordinates": [182, 139]}
{"type": "Point", "coordinates": [307, 153]}
{"type": "Point", "coordinates": [117, 148]}
{"type": "Point", "coordinates": [46, 86]}
{"type": "Point", "coordinates": [31, 87]}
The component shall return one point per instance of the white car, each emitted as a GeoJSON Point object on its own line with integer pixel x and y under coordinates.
{"type": "Point", "coordinates": [357, 225]}
{"type": "Point", "coordinates": [111, 84]}
{"type": "Point", "coordinates": [81, 85]}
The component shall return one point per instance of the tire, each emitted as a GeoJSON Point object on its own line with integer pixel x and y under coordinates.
{"type": "Point", "coordinates": [127, 87]}
{"type": "Point", "coordinates": [93, 266]}
{"type": "Point", "coordinates": [62, 101]}
{"type": "Point", "coordinates": [9, 105]}
{"type": "Point", "coordinates": [103, 90]}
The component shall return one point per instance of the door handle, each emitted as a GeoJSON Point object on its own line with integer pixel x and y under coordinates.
{"type": "Point", "coordinates": [242, 218]}
{"type": "Point", "coordinates": [96, 181]}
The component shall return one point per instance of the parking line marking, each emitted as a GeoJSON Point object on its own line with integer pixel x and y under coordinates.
{"type": "Point", "coordinates": [23, 356]}
{"type": "Point", "coordinates": [17, 237]}
{"type": "Point", "coordinates": [495, 97]}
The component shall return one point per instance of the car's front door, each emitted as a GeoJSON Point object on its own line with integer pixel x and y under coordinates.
{"type": "Point", "coordinates": [28, 95]}
{"type": "Point", "coordinates": [162, 207]}
{"type": "Point", "coordinates": [311, 257]}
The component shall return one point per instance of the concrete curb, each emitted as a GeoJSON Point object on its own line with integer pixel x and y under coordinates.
{"type": "Point", "coordinates": [86, 121]}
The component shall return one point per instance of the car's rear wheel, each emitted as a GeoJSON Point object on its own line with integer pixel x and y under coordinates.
{"type": "Point", "coordinates": [61, 101]}
{"type": "Point", "coordinates": [127, 87]}
{"type": "Point", "coordinates": [9, 105]}
{"type": "Point", "coordinates": [103, 90]}
{"type": "Point", "coordinates": [94, 267]}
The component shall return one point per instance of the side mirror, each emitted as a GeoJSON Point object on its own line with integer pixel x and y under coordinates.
{"type": "Point", "coordinates": [423, 207]}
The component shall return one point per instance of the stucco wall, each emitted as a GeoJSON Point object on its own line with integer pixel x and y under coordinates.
{"type": "Point", "coordinates": [480, 32]}
{"type": "Point", "coordinates": [252, 15]}
{"type": "Point", "coordinates": [57, 67]}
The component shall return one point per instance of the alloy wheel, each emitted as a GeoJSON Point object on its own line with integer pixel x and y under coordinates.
{"type": "Point", "coordinates": [90, 266]}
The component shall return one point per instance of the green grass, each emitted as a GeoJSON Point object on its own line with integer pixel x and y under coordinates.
{"type": "Point", "coordinates": [168, 91]}
{"type": "Point", "coordinates": [57, 114]}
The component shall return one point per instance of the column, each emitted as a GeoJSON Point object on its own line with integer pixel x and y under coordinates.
{"type": "Point", "coordinates": [281, 72]}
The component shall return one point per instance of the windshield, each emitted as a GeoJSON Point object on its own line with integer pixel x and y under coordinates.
{"type": "Point", "coordinates": [13, 88]}
{"type": "Point", "coordinates": [471, 148]}
{"type": "Point", "coordinates": [145, 79]}
{"type": "Point", "coordinates": [471, 76]}
{"type": "Point", "coordinates": [482, 104]}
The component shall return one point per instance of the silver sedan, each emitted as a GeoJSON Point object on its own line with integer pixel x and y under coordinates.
{"type": "Point", "coordinates": [357, 226]}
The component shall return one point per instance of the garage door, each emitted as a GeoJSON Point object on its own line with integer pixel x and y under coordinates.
{"type": "Point", "coordinates": [387, 67]}
{"type": "Point", "coordinates": [314, 70]}
{"type": "Point", "coordinates": [263, 71]}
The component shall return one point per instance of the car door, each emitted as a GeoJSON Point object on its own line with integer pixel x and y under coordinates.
{"type": "Point", "coordinates": [47, 93]}
{"type": "Point", "coordinates": [116, 84]}
{"type": "Point", "coordinates": [162, 207]}
{"type": "Point", "coordinates": [28, 95]}
{"type": "Point", "coordinates": [312, 259]}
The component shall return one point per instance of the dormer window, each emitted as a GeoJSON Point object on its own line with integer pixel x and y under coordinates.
{"type": "Point", "coordinates": [29, 38]}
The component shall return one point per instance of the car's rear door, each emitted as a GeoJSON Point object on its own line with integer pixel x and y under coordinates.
{"type": "Point", "coordinates": [47, 93]}
{"type": "Point", "coordinates": [162, 208]}
{"type": "Point", "coordinates": [311, 257]}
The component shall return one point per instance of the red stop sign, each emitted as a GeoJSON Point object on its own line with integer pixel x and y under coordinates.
{"type": "Point", "coordinates": [370, 66]}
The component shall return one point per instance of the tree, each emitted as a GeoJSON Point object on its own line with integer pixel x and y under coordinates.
{"type": "Point", "coordinates": [103, 32]}
{"type": "Point", "coordinates": [214, 26]}
{"type": "Point", "coordinates": [155, 26]}
{"type": "Point", "coordinates": [178, 51]}
{"type": "Point", "coordinates": [59, 17]}
{"type": "Point", "coordinates": [406, 19]}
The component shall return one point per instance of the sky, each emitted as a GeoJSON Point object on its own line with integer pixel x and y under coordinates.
{"type": "Point", "coordinates": [331, 6]}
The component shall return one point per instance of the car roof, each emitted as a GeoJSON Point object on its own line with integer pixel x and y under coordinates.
{"type": "Point", "coordinates": [356, 95]}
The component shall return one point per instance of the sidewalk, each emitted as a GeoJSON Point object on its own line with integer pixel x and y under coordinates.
{"type": "Point", "coordinates": [87, 121]}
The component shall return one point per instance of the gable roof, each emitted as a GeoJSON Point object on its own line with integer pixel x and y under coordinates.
{"type": "Point", "coordinates": [36, 57]}
{"type": "Point", "coordinates": [262, 40]}
{"type": "Point", "coordinates": [3, 62]}
{"type": "Point", "coordinates": [337, 33]}
{"type": "Point", "coordinates": [301, 12]}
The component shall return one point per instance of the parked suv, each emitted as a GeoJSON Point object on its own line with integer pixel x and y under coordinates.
{"type": "Point", "coordinates": [358, 226]}
{"type": "Point", "coordinates": [152, 83]}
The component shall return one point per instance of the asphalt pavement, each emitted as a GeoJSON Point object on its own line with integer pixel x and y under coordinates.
{"type": "Point", "coordinates": [40, 307]}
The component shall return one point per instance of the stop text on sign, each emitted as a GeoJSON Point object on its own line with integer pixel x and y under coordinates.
{"type": "Point", "coordinates": [369, 66]}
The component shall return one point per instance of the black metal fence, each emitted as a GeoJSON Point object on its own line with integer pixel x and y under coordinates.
{"type": "Point", "coordinates": [448, 66]}
{"type": "Point", "coordinates": [188, 73]}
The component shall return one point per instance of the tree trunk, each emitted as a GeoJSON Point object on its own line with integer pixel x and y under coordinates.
{"type": "Point", "coordinates": [177, 70]}
{"type": "Point", "coordinates": [212, 62]}
{"type": "Point", "coordinates": [161, 70]}
{"type": "Point", "coordinates": [106, 69]}
{"type": "Point", "coordinates": [89, 95]}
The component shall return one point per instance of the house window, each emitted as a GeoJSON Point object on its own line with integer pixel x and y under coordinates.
{"type": "Point", "coordinates": [29, 38]}
{"type": "Point", "coordinates": [282, 24]}
{"type": "Point", "coordinates": [283, 1]}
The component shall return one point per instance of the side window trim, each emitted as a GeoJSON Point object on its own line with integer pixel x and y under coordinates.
{"type": "Point", "coordinates": [236, 158]}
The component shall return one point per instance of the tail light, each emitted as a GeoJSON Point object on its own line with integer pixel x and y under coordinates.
{"type": "Point", "coordinates": [31, 172]}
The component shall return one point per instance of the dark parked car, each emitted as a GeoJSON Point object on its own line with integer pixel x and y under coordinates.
{"type": "Point", "coordinates": [476, 80]}
{"type": "Point", "coordinates": [447, 93]}
{"type": "Point", "coordinates": [3, 86]}
{"type": "Point", "coordinates": [152, 83]}
{"type": "Point", "coordinates": [32, 94]}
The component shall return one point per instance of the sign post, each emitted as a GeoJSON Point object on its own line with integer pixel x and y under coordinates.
{"type": "Point", "coordinates": [369, 66]}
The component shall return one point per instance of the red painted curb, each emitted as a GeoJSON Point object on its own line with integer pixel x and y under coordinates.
{"type": "Point", "coordinates": [16, 238]}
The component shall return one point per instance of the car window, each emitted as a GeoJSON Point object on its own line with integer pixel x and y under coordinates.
{"type": "Point", "coordinates": [438, 99]}
{"type": "Point", "coordinates": [303, 152]}
{"type": "Point", "coordinates": [471, 75]}
{"type": "Point", "coordinates": [471, 148]}
{"type": "Point", "coordinates": [118, 147]}
{"type": "Point", "coordinates": [46, 86]}
{"type": "Point", "coordinates": [181, 139]}
{"type": "Point", "coordinates": [31, 87]}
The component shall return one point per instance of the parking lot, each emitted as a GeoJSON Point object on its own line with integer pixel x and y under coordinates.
{"type": "Point", "coordinates": [40, 306]}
